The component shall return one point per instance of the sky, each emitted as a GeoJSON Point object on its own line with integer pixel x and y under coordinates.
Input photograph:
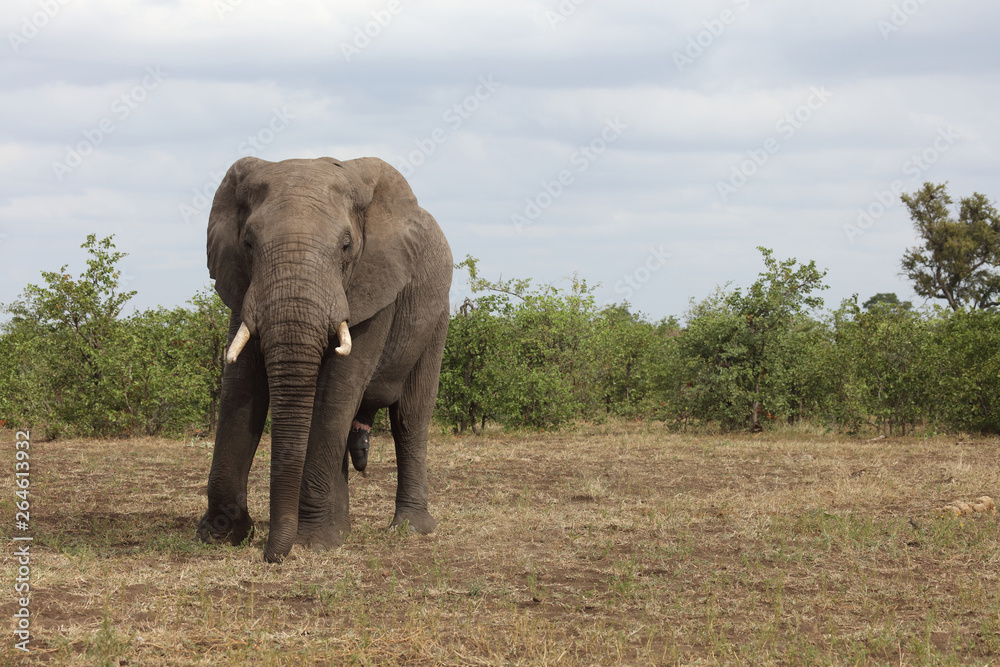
{"type": "Point", "coordinates": [645, 147]}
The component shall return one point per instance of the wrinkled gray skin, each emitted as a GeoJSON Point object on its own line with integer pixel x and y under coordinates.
{"type": "Point", "coordinates": [295, 248]}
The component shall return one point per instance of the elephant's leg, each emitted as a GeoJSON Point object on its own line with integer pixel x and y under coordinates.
{"type": "Point", "coordinates": [323, 498]}
{"type": "Point", "coordinates": [242, 413]}
{"type": "Point", "coordinates": [324, 515]}
{"type": "Point", "coordinates": [357, 439]}
{"type": "Point", "coordinates": [410, 418]}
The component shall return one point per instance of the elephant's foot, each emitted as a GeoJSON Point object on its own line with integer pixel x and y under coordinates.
{"type": "Point", "coordinates": [322, 538]}
{"type": "Point", "coordinates": [357, 444]}
{"type": "Point", "coordinates": [418, 520]}
{"type": "Point", "coordinates": [232, 525]}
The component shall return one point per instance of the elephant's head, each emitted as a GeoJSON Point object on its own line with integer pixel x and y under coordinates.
{"type": "Point", "coordinates": [299, 249]}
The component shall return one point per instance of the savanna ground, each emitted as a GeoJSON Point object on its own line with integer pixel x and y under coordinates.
{"type": "Point", "coordinates": [609, 544]}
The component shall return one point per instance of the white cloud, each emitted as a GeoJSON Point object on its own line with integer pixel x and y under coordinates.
{"type": "Point", "coordinates": [560, 82]}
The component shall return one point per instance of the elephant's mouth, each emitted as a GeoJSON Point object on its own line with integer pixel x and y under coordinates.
{"type": "Point", "coordinates": [243, 335]}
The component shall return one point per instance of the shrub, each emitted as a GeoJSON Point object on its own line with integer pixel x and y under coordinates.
{"type": "Point", "coordinates": [72, 365]}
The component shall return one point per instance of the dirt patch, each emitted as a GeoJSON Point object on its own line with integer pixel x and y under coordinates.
{"type": "Point", "coordinates": [620, 543]}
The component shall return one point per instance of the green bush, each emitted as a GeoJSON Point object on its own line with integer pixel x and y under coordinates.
{"type": "Point", "coordinates": [471, 371]}
{"type": "Point", "coordinates": [748, 358]}
{"type": "Point", "coordinates": [629, 355]}
{"type": "Point", "coordinates": [885, 351]}
{"type": "Point", "coordinates": [72, 365]}
{"type": "Point", "coordinates": [742, 355]}
{"type": "Point", "coordinates": [523, 356]}
{"type": "Point", "coordinates": [963, 353]}
{"type": "Point", "coordinates": [532, 357]}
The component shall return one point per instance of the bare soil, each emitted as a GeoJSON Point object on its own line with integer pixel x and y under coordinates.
{"type": "Point", "coordinates": [604, 544]}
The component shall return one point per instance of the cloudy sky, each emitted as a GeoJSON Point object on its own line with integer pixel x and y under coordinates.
{"type": "Point", "coordinates": [646, 146]}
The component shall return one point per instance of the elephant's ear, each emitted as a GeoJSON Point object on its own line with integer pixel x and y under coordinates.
{"type": "Point", "coordinates": [394, 228]}
{"type": "Point", "coordinates": [226, 261]}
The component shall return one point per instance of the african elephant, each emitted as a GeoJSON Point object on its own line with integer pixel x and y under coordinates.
{"type": "Point", "coordinates": [338, 284]}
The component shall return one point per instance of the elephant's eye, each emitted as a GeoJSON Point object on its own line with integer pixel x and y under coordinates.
{"type": "Point", "coordinates": [345, 244]}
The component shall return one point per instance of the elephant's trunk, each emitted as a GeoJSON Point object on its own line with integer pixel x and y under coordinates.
{"type": "Point", "coordinates": [291, 412]}
{"type": "Point", "coordinates": [293, 323]}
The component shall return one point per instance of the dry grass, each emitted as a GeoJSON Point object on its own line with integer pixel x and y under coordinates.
{"type": "Point", "coordinates": [609, 544]}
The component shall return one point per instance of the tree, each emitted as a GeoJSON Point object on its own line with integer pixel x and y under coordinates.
{"type": "Point", "coordinates": [66, 336]}
{"type": "Point", "coordinates": [476, 365]}
{"type": "Point", "coordinates": [627, 353]}
{"type": "Point", "coordinates": [965, 358]}
{"type": "Point", "coordinates": [884, 365]}
{"type": "Point", "coordinates": [527, 356]}
{"type": "Point", "coordinates": [69, 363]}
{"type": "Point", "coordinates": [471, 376]}
{"type": "Point", "coordinates": [739, 346]}
{"type": "Point", "coordinates": [959, 258]}
{"type": "Point", "coordinates": [208, 334]}
{"type": "Point", "coordinates": [888, 299]}
{"type": "Point", "coordinates": [176, 384]}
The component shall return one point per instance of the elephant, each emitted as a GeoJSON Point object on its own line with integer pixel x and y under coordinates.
{"type": "Point", "coordinates": [338, 284]}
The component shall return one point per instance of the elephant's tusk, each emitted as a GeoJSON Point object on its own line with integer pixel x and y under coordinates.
{"type": "Point", "coordinates": [242, 336]}
{"type": "Point", "coordinates": [345, 340]}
